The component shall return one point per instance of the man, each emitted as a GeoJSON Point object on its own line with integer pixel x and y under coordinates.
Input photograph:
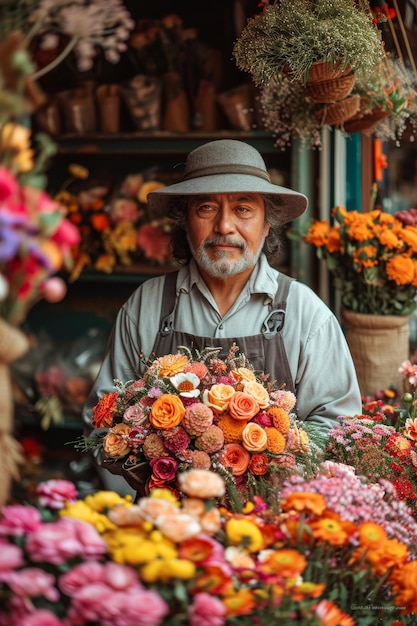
{"type": "Point", "coordinates": [228, 218]}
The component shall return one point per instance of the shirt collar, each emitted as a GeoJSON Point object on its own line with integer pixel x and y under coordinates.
{"type": "Point", "coordinates": [263, 279]}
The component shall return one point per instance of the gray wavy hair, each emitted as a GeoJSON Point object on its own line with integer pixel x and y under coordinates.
{"type": "Point", "coordinates": [181, 250]}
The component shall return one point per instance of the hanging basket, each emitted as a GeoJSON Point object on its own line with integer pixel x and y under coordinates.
{"type": "Point", "coordinates": [378, 345]}
{"type": "Point", "coordinates": [331, 90]}
{"type": "Point", "coordinates": [337, 113]}
{"type": "Point", "coordinates": [365, 121]}
{"type": "Point", "coordinates": [324, 70]}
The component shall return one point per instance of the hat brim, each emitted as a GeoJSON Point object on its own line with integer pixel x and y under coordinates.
{"type": "Point", "coordinates": [291, 204]}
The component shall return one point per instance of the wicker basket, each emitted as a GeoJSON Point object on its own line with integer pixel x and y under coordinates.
{"type": "Point", "coordinates": [331, 90]}
{"type": "Point", "coordinates": [337, 113]}
{"type": "Point", "coordinates": [365, 121]}
{"type": "Point", "coordinates": [323, 70]}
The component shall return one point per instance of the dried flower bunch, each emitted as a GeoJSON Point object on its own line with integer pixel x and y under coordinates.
{"type": "Point", "coordinates": [203, 412]}
{"type": "Point", "coordinates": [113, 222]}
{"type": "Point", "coordinates": [293, 34]}
{"type": "Point", "coordinates": [372, 258]}
{"type": "Point", "coordinates": [79, 26]}
{"type": "Point", "coordinates": [339, 551]}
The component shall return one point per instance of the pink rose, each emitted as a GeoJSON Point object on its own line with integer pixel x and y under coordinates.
{"type": "Point", "coordinates": [124, 209]}
{"type": "Point", "coordinates": [32, 582]}
{"type": "Point", "coordinates": [207, 610]}
{"type": "Point", "coordinates": [79, 576]}
{"type": "Point", "coordinates": [11, 557]}
{"type": "Point", "coordinates": [87, 603]}
{"type": "Point", "coordinates": [164, 468]}
{"type": "Point", "coordinates": [154, 242]}
{"type": "Point", "coordinates": [56, 493]}
{"type": "Point", "coordinates": [8, 184]}
{"type": "Point", "coordinates": [263, 419]}
{"type": "Point", "coordinates": [18, 520]}
{"type": "Point", "coordinates": [127, 605]}
{"type": "Point", "coordinates": [134, 415]}
{"type": "Point", "coordinates": [60, 541]}
{"type": "Point", "coordinates": [40, 617]}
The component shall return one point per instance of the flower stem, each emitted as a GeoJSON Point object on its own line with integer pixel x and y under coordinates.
{"type": "Point", "coordinates": [61, 56]}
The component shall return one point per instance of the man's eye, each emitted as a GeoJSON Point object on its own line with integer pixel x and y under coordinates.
{"type": "Point", "coordinates": [205, 209]}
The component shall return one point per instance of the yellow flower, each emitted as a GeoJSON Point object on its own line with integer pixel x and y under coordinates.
{"type": "Point", "coordinates": [102, 500]}
{"type": "Point", "coordinates": [81, 510]}
{"type": "Point", "coordinates": [78, 171]}
{"type": "Point", "coordinates": [244, 532]}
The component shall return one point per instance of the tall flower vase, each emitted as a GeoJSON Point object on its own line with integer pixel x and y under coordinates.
{"type": "Point", "coordinates": [13, 345]}
{"type": "Point", "coordinates": [378, 344]}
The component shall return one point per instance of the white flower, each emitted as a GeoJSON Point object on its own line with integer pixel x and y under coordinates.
{"type": "Point", "coordinates": [187, 384]}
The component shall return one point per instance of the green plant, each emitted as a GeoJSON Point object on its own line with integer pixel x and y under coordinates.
{"type": "Point", "coordinates": [293, 34]}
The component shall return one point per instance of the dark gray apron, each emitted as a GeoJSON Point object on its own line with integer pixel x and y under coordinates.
{"type": "Point", "coordinates": [266, 351]}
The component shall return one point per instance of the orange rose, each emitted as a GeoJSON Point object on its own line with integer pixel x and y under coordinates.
{"type": "Point", "coordinates": [242, 406]}
{"type": "Point", "coordinates": [236, 458]}
{"type": "Point", "coordinates": [254, 438]}
{"type": "Point", "coordinates": [258, 393]}
{"type": "Point", "coordinates": [243, 374]}
{"type": "Point", "coordinates": [167, 411]}
{"type": "Point", "coordinates": [116, 443]}
{"type": "Point", "coordinates": [218, 397]}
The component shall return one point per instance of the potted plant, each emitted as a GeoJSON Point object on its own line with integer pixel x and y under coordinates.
{"type": "Point", "coordinates": [372, 258]}
{"type": "Point", "coordinates": [293, 35]}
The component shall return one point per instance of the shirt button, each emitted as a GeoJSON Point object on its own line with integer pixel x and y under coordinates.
{"type": "Point", "coordinates": [221, 327]}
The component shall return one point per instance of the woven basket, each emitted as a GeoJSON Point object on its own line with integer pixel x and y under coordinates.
{"type": "Point", "coordinates": [331, 90]}
{"type": "Point", "coordinates": [338, 112]}
{"type": "Point", "coordinates": [323, 70]}
{"type": "Point", "coordinates": [365, 121]}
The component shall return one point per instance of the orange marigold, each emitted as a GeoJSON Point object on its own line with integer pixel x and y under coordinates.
{"type": "Point", "coordinates": [317, 233]}
{"type": "Point", "coordinates": [280, 418]}
{"type": "Point", "coordinates": [371, 535]}
{"type": "Point", "coordinates": [104, 410]}
{"type": "Point", "coordinates": [276, 440]}
{"type": "Point", "coordinates": [404, 583]}
{"type": "Point", "coordinates": [329, 530]}
{"type": "Point", "coordinates": [400, 269]}
{"type": "Point", "coordinates": [232, 429]}
{"type": "Point", "coordinates": [171, 364]}
{"type": "Point", "coordinates": [288, 563]}
{"type": "Point", "coordinates": [304, 501]}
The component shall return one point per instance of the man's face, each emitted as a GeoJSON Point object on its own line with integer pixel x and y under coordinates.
{"type": "Point", "coordinates": [226, 232]}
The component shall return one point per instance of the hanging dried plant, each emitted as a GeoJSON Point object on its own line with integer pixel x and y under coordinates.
{"type": "Point", "coordinates": [293, 34]}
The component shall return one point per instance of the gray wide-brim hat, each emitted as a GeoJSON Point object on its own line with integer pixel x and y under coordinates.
{"type": "Point", "coordinates": [228, 166]}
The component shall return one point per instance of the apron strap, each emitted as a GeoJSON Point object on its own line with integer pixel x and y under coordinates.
{"type": "Point", "coordinates": [274, 321]}
{"type": "Point", "coordinates": [168, 304]}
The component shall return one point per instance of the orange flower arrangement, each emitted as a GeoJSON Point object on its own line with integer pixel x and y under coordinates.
{"type": "Point", "coordinates": [372, 258]}
{"type": "Point", "coordinates": [204, 412]}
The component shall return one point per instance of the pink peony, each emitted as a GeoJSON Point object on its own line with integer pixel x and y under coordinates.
{"type": "Point", "coordinates": [32, 582]}
{"type": "Point", "coordinates": [18, 520]}
{"type": "Point", "coordinates": [207, 610]}
{"type": "Point", "coordinates": [11, 556]}
{"type": "Point", "coordinates": [56, 493]}
{"type": "Point", "coordinates": [40, 617]}
{"type": "Point", "coordinates": [57, 542]}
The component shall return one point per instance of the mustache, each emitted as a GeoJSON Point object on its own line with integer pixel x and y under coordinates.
{"type": "Point", "coordinates": [224, 241]}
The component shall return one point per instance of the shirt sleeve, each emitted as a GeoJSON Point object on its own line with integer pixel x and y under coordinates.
{"type": "Point", "coordinates": [326, 381]}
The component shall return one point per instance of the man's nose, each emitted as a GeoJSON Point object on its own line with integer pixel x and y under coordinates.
{"type": "Point", "coordinates": [224, 222]}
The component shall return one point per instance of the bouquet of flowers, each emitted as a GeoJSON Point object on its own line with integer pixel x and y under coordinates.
{"type": "Point", "coordinates": [338, 551]}
{"type": "Point", "coordinates": [201, 412]}
{"type": "Point", "coordinates": [114, 225]}
{"type": "Point", "coordinates": [371, 257]}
